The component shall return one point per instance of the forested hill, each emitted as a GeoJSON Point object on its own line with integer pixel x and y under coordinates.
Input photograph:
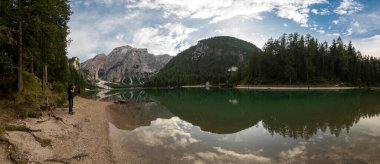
{"type": "Point", "coordinates": [208, 61]}
{"type": "Point", "coordinates": [292, 59]}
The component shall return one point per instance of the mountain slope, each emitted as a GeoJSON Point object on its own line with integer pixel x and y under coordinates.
{"type": "Point", "coordinates": [124, 65]}
{"type": "Point", "coordinates": [92, 67]}
{"type": "Point", "coordinates": [213, 60]}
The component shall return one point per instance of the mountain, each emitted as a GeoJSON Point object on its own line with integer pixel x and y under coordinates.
{"type": "Point", "coordinates": [92, 67]}
{"type": "Point", "coordinates": [125, 65]}
{"type": "Point", "coordinates": [213, 60]}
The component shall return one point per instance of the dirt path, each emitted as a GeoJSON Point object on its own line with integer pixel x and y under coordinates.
{"type": "Point", "coordinates": [80, 138]}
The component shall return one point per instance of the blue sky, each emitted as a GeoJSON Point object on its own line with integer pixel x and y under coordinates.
{"type": "Point", "coordinates": [170, 26]}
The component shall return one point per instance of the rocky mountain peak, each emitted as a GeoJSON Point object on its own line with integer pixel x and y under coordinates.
{"type": "Point", "coordinates": [102, 55]}
{"type": "Point", "coordinates": [125, 64]}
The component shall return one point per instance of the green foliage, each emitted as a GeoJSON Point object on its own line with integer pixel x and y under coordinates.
{"type": "Point", "coordinates": [32, 113]}
{"type": "Point", "coordinates": [59, 87]}
{"type": "Point", "coordinates": [291, 59]}
{"type": "Point", "coordinates": [18, 98]}
{"type": "Point", "coordinates": [44, 40]}
{"type": "Point", "coordinates": [76, 77]}
{"type": "Point", "coordinates": [295, 59]}
{"type": "Point", "coordinates": [10, 127]}
{"type": "Point", "coordinates": [7, 72]}
{"type": "Point", "coordinates": [2, 129]}
{"type": "Point", "coordinates": [32, 84]}
{"type": "Point", "coordinates": [58, 100]}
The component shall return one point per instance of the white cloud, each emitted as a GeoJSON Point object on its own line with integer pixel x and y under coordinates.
{"type": "Point", "coordinates": [356, 24]}
{"type": "Point", "coordinates": [297, 13]}
{"type": "Point", "coordinates": [321, 12]}
{"type": "Point", "coordinates": [108, 3]}
{"type": "Point", "coordinates": [108, 25]}
{"type": "Point", "coordinates": [87, 42]}
{"type": "Point", "coordinates": [321, 31]}
{"type": "Point", "coordinates": [357, 28]}
{"type": "Point", "coordinates": [83, 44]}
{"type": "Point", "coordinates": [349, 31]}
{"type": "Point", "coordinates": [221, 155]}
{"type": "Point", "coordinates": [348, 7]}
{"type": "Point", "coordinates": [333, 34]}
{"type": "Point", "coordinates": [247, 157]}
{"type": "Point", "coordinates": [285, 25]}
{"type": "Point", "coordinates": [368, 46]}
{"type": "Point", "coordinates": [91, 34]}
{"type": "Point", "coordinates": [131, 15]}
{"type": "Point", "coordinates": [216, 10]}
{"type": "Point", "coordinates": [341, 20]}
{"type": "Point", "coordinates": [295, 154]}
{"type": "Point", "coordinates": [244, 34]}
{"type": "Point", "coordinates": [120, 37]}
{"type": "Point", "coordinates": [366, 22]}
{"type": "Point", "coordinates": [167, 39]}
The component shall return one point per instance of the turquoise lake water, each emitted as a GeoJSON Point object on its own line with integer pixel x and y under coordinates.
{"type": "Point", "coordinates": [241, 126]}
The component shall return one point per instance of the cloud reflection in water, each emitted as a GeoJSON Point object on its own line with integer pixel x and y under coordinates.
{"type": "Point", "coordinates": [172, 140]}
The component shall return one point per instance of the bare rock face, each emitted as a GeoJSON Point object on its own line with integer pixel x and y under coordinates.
{"type": "Point", "coordinates": [200, 50]}
{"type": "Point", "coordinates": [75, 63]}
{"type": "Point", "coordinates": [161, 61]}
{"type": "Point", "coordinates": [93, 67]}
{"type": "Point", "coordinates": [124, 64]}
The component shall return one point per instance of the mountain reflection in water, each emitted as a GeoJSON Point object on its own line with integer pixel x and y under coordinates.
{"type": "Point", "coordinates": [288, 113]}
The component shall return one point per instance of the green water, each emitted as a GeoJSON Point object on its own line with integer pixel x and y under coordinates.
{"type": "Point", "coordinates": [294, 114]}
{"type": "Point", "coordinates": [226, 125]}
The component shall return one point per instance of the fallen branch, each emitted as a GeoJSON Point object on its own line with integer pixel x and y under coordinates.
{"type": "Point", "coordinates": [50, 108]}
{"type": "Point", "coordinates": [23, 128]}
{"type": "Point", "coordinates": [56, 117]}
{"type": "Point", "coordinates": [67, 160]}
{"type": "Point", "coordinates": [43, 142]}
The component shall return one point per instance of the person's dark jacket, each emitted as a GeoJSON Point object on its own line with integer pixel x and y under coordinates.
{"type": "Point", "coordinates": [70, 95]}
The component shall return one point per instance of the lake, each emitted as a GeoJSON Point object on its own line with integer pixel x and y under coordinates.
{"type": "Point", "coordinates": [244, 126]}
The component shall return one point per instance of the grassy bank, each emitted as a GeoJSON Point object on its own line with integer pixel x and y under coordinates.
{"type": "Point", "coordinates": [30, 102]}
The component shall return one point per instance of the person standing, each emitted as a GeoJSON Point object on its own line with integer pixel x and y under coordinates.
{"type": "Point", "coordinates": [70, 96]}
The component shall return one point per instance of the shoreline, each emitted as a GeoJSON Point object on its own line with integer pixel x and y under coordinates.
{"type": "Point", "coordinates": [79, 138]}
{"type": "Point", "coordinates": [295, 88]}
{"type": "Point", "coordinates": [195, 86]}
{"type": "Point", "coordinates": [255, 87]}
{"type": "Point", "coordinates": [281, 87]}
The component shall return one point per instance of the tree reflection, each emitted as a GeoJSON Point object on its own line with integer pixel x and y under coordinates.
{"type": "Point", "coordinates": [289, 114]}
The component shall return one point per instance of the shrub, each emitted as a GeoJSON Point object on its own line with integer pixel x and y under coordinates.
{"type": "Point", "coordinates": [59, 87]}
{"type": "Point", "coordinates": [31, 83]}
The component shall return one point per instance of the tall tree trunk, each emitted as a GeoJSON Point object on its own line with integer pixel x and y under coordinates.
{"type": "Point", "coordinates": [32, 65]}
{"type": "Point", "coordinates": [45, 74]}
{"type": "Point", "coordinates": [20, 84]}
{"type": "Point", "coordinates": [44, 78]}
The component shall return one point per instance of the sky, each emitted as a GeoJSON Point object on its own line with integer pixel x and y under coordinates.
{"type": "Point", "coordinates": [171, 26]}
